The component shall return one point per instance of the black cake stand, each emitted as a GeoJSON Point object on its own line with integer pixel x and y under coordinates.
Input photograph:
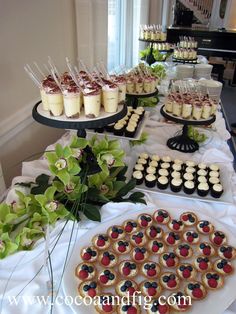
{"type": "Point", "coordinates": [183, 142]}
{"type": "Point", "coordinates": [134, 97]}
{"type": "Point", "coordinates": [79, 124]}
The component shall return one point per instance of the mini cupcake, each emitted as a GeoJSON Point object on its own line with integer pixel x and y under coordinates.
{"type": "Point", "coordinates": [176, 185]}
{"type": "Point", "coordinates": [116, 233]}
{"type": "Point", "coordinates": [214, 167]}
{"type": "Point", "coordinates": [223, 267]}
{"type": "Point", "coordinates": [128, 307]}
{"type": "Point", "coordinates": [176, 225]}
{"type": "Point", "coordinates": [205, 227]}
{"type": "Point", "coordinates": [139, 254]}
{"type": "Point", "coordinates": [105, 304]}
{"type": "Point", "coordinates": [158, 308]}
{"type": "Point", "coordinates": [206, 249]}
{"type": "Point", "coordinates": [138, 167]}
{"type": "Point", "coordinates": [186, 271]}
{"type": "Point", "coordinates": [118, 129]}
{"type": "Point", "coordinates": [212, 280]}
{"type": "Point", "coordinates": [145, 220]}
{"type": "Point", "coordinates": [155, 157]}
{"type": "Point", "coordinates": [121, 247]}
{"type": "Point", "coordinates": [163, 173]}
{"type": "Point", "coordinates": [227, 252]}
{"type": "Point", "coordinates": [107, 278]}
{"type": "Point", "coordinates": [217, 190]}
{"type": "Point", "coordinates": [189, 219]}
{"type": "Point", "coordinates": [162, 183]}
{"type": "Point", "coordinates": [89, 254]}
{"type": "Point", "coordinates": [130, 226]}
{"type": "Point", "coordinates": [190, 170]}
{"type": "Point", "coordinates": [161, 216]}
{"type": "Point", "coordinates": [196, 290]}
{"type": "Point", "coordinates": [218, 238]}
{"type": "Point", "coordinates": [101, 241]}
{"type": "Point", "coordinates": [150, 269]}
{"type": "Point", "coordinates": [144, 156]}
{"type": "Point", "coordinates": [182, 303]}
{"type": "Point", "coordinates": [202, 166]}
{"type": "Point", "coordinates": [156, 247]}
{"type": "Point", "coordinates": [178, 162]}
{"type": "Point", "coordinates": [175, 175]}
{"type": "Point", "coordinates": [138, 239]}
{"type": "Point", "coordinates": [130, 130]}
{"type": "Point", "coordinates": [153, 163]}
{"type": "Point", "coordinates": [190, 163]}
{"type": "Point", "coordinates": [189, 187]}
{"type": "Point", "coordinates": [142, 161]}
{"type": "Point", "coordinates": [165, 165]}
{"type": "Point", "coordinates": [126, 288]}
{"type": "Point", "coordinates": [188, 176]}
{"type": "Point", "coordinates": [150, 288]}
{"type": "Point", "coordinates": [213, 180]}
{"type": "Point", "coordinates": [201, 179]}
{"type": "Point", "coordinates": [151, 170]}
{"type": "Point", "coordinates": [150, 180]}
{"type": "Point", "coordinates": [89, 289]}
{"type": "Point", "coordinates": [169, 260]}
{"type": "Point", "coordinates": [202, 172]}
{"type": "Point", "coordinates": [169, 281]}
{"type": "Point", "coordinates": [177, 167]}
{"type": "Point", "coordinates": [154, 232]}
{"type": "Point", "coordinates": [191, 237]}
{"type": "Point", "coordinates": [138, 176]}
{"type": "Point", "coordinates": [172, 238]}
{"type": "Point", "coordinates": [128, 269]}
{"type": "Point", "coordinates": [110, 127]}
{"type": "Point", "coordinates": [214, 174]}
{"type": "Point", "coordinates": [202, 263]}
{"type": "Point", "coordinates": [166, 159]}
{"type": "Point", "coordinates": [184, 250]}
{"type": "Point", "coordinates": [85, 271]}
{"type": "Point", "coordinates": [108, 259]}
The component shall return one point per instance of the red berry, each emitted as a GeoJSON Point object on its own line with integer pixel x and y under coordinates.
{"type": "Point", "coordinates": [128, 228]}
{"type": "Point", "coordinates": [92, 293]}
{"type": "Point", "coordinates": [176, 226]}
{"type": "Point", "coordinates": [122, 248]}
{"type": "Point", "coordinates": [139, 256]}
{"type": "Point", "coordinates": [153, 233]}
{"type": "Point", "coordinates": [227, 268]}
{"type": "Point", "coordinates": [171, 283]}
{"type": "Point", "coordinates": [103, 279]}
{"type": "Point", "coordinates": [212, 283]}
{"type": "Point", "coordinates": [131, 290]}
{"type": "Point", "coordinates": [107, 308]}
{"type": "Point", "coordinates": [183, 303]}
{"type": "Point", "coordinates": [163, 309]}
{"type": "Point", "coordinates": [206, 229]}
{"type": "Point", "coordinates": [100, 242]}
{"type": "Point", "coordinates": [105, 260]}
{"type": "Point", "coordinates": [138, 240]}
{"type": "Point", "coordinates": [83, 274]}
{"type": "Point", "coordinates": [185, 217]}
{"type": "Point", "coordinates": [151, 272]}
{"type": "Point", "coordinates": [190, 238]}
{"type": "Point", "coordinates": [184, 252]}
{"type": "Point", "coordinates": [126, 271]}
{"type": "Point", "coordinates": [206, 251]}
{"type": "Point", "coordinates": [203, 265]}
{"type": "Point", "coordinates": [197, 293]}
{"type": "Point", "coordinates": [228, 254]}
{"type": "Point", "coordinates": [144, 223]}
{"type": "Point", "coordinates": [171, 240]}
{"type": "Point", "coordinates": [151, 291]}
{"type": "Point", "coordinates": [86, 256]}
{"type": "Point", "coordinates": [186, 273]}
{"type": "Point", "coordinates": [114, 235]}
{"type": "Point", "coordinates": [170, 262]}
{"type": "Point", "coordinates": [218, 240]}
{"type": "Point", "coordinates": [132, 310]}
{"type": "Point", "coordinates": [155, 248]}
{"type": "Point", "coordinates": [159, 218]}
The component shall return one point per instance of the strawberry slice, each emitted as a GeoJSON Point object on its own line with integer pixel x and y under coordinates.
{"type": "Point", "coordinates": [107, 308]}
{"type": "Point", "coordinates": [151, 291]}
{"type": "Point", "coordinates": [103, 279]}
{"type": "Point", "coordinates": [92, 292]}
{"type": "Point", "coordinates": [197, 293]}
{"type": "Point", "coordinates": [227, 268]}
{"type": "Point", "coordinates": [126, 271]}
{"type": "Point", "coordinates": [151, 272]}
{"type": "Point", "coordinates": [186, 273]}
{"type": "Point", "coordinates": [212, 283]}
{"type": "Point", "coordinates": [83, 274]}
{"type": "Point", "coordinates": [105, 260]}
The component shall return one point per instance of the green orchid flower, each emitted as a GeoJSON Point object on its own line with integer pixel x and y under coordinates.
{"type": "Point", "coordinates": [27, 238]}
{"type": "Point", "coordinates": [7, 247]}
{"type": "Point", "coordinates": [37, 222]}
{"type": "Point", "coordinates": [73, 189]}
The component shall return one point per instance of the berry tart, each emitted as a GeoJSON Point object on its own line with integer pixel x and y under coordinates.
{"type": "Point", "coordinates": [169, 281]}
{"type": "Point", "coordinates": [172, 238]}
{"type": "Point", "coordinates": [176, 225]}
{"type": "Point", "coordinates": [85, 271]}
{"type": "Point", "coordinates": [196, 290]}
{"type": "Point", "coordinates": [191, 237]}
{"type": "Point", "coordinates": [108, 259]}
{"type": "Point", "coordinates": [223, 267]}
{"type": "Point", "coordinates": [101, 241]}
{"type": "Point", "coordinates": [150, 269]}
{"type": "Point", "coordinates": [182, 303]}
{"type": "Point", "coordinates": [89, 288]}
{"type": "Point", "coordinates": [156, 247]}
{"type": "Point", "coordinates": [227, 252]}
{"type": "Point", "coordinates": [107, 277]}
{"type": "Point", "coordinates": [218, 238]}
{"type": "Point", "coordinates": [169, 260]}
{"type": "Point", "coordinates": [186, 272]}
{"type": "Point", "coordinates": [128, 269]}
{"type": "Point", "coordinates": [150, 288]}
{"type": "Point", "coordinates": [154, 232]}
{"type": "Point", "coordinates": [206, 249]}
{"type": "Point", "coordinates": [138, 239]}
{"type": "Point", "coordinates": [212, 280]}
{"type": "Point", "coordinates": [116, 233]}
{"type": "Point", "coordinates": [202, 263]}
{"type": "Point", "coordinates": [105, 304]}
{"type": "Point", "coordinates": [125, 288]}
{"type": "Point", "coordinates": [189, 219]}
{"type": "Point", "coordinates": [130, 226]}
{"type": "Point", "coordinates": [156, 308]}
{"type": "Point", "coordinates": [184, 250]}
{"type": "Point", "coordinates": [205, 227]}
{"type": "Point", "coordinates": [145, 220]}
{"type": "Point", "coordinates": [89, 254]}
{"type": "Point", "coordinates": [161, 216]}
{"type": "Point", "coordinates": [139, 254]}
{"type": "Point", "coordinates": [122, 247]}
{"type": "Point", "coordinates": [128, 308]}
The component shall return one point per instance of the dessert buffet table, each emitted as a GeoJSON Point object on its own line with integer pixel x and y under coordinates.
{"type": "Point", "coordinates": [18, 272]}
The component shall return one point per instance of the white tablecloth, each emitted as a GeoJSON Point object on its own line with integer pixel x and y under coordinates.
{"type": "Point", "coordinates": [17, 271]}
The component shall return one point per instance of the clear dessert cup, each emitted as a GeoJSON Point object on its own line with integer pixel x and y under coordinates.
{"type": "Point", "coordinates": [187, 111]}
{"type": "Point", "coordinates": [44, 99]}
{"type": "Point", "coordinates": [110, 97]}
{"type": "Point", "coordinates": [197, 111]}
{"type": "Point", "coordinates": [122, 91]}
{"type": "Point", "coordinates": [139, 86]}
{"type": "Point", "coordinates": [147, 85]}
{"type": "Point", "coordinates": [55, 103]}
{"type": "Point", "coordinates": [72, 104]}
{"type": "Point", "coordinates": [206, 111]}
{"type": "Point", "coordinates": [169, 105]}
{"type": "Point", "coordinates": [177, 109]}
{"type": "Point", "coordinates": [92, 103]}
{"type": "Point", "coordinates": [130, 86]}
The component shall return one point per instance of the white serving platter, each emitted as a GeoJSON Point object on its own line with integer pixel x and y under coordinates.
{"type": "Point", "coordinates": [215, 302]}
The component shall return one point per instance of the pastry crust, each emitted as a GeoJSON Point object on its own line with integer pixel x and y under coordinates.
{"type": "Point", "coordinates": [130, 226]}
{"type": "Point", "coordinates": [205, 227]}
{"type": "Point", "coordinates": [191, 237]}
{"type": "Point", "coordinates": [126, 287]}
{"type": "Point", "coordinates": [189, 219]}
{"type": "Point", "coordinates": [169, 281]}
{"type": "Point", "coordinates": [223, 267]}
{"type": "Point", "coordinates": [227, 252]}
{"type": "Point", "coordinates": [157, 308]}
{"type": "Point", "coordinates": [116, 232]}
{"type": "Point", "coordinates": [85, 271]}
{"type": "Point", "coordinates": [218, 238]}
{"type": "Point", "coordinates": [150, 288]}
{"type": "Point", "coordinates": [107, 277]}
{"type": "Point", "coordinates": [212, 280]}
{"type": "Point", "coordinates": [101, 241]}
{"type": "Point", "coordinates": [196, 290]}
{"type": "Point", "coordinates": [161, 216]}
{"type": "Point", "coordinates": [169, 260]}
{"type": "Point", "coordinates": [172, 238]}
{"type": "Point", "coordinates": [105, 305]}
{"type": "Point", "coordinates": [156, 247]}
{"type": "Point", "coordinates": [202, 263]}
{"type": "Point", "coordinates": [182, 303]}
{"type": "Point", "coordinates": [153, 232]}
{"type": "Point", "coordinates": [184, 250]}
{"type": "Point", "coordinates": [176, 225]}
{"type": "Point", "coordinates": [128, 269]}
{"type": "Point", "coordinates": [206, 249]}
{"type": "Point", "coordinates": [186, 271]}
{"type": "Point", "coordinates": [138, 239]}
{"type": "Point", "coordinates": [145, 220]}
{"type": "Point", "coordinates": [89, 254]}
{"type": "Point", "coordinates": [121, 247]}
{"type": "Point", "coordinates": [89, 288]}
{"type": "Point", "coordinates": [150, 269]}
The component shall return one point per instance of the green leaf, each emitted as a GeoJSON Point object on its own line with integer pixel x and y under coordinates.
{"type": "Point", "coordinates": [59, 150]}
{"type": "Point", "coordinates": [4, 211]}
{"type": "Point", "coordinates": [64, 176]}
{"type": "Point", "coordinates": [91, 212]}
{"type": "Point", "coordinates": [42, 184]}
{"type": "Point", "coordinates": [78, 142]}
{"type": "Point", "coordinates": [50, 192]}
{"type": "Point", "coordinates": [127, 188]}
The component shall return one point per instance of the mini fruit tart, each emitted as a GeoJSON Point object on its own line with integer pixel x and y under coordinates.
{"type": "Point", "coordinates": [156, 308]}
{"type": "Point", "coordinates": [176, 225]}
{"type": "Point", "coordinates": [130, 226]}
{"type": "Point", "coordinates": [128, 269]}
{"type": "Point", "coordinates": [212, 280]}
{"type": "Point", "coordinates": [202, 263]}
{"type": "Point", "coordinates": [224, 267]}
{"type": "Point", "coordinates": [145, 220]}
{"type": "Point", "coordinates": [227, 251]}
{"type": "Point", "coordinates": [169, 281]}
{"type": "Point", "coordinates": [189, 219]}
{"type": "Point", "coordinates": [89, 254]}
{"type": "Point", "coordinates": [161, 216]}
{"type": "Point", "coordinates": [169, 260]}
{"type": "Point", "coordinates": [128, 307]}
{"type": "Point", "coordinates": [105, 304]}
{"type": "Point", "coordinates": [156, 247]}
{"type": "Point", "coordinates": [218, 238]}
{"type": "Point", "coordinates": [89, 288]}
{"type": "Point", "coordinates": [182, 303]}
{"type": "Point", "coordinates": [172, 238]}
{"type": "Point", "coordinates": [154, 232]}
{"type": "Point", "coordinates": [191, 237]}
{"type": "Point", "coordinates": [139, 254]}
{"type": "Point", "coordinates": [150, 288]}
{"type": "Point", "coordinates": [116, 233]}
{"type": "Point", "coordinates": [122, 247]}
{"type": "Point", "coordinates": [196, 290]}
{"type": "Point", "coordinates": [126, 288]}
{"type": "Point", "coordinates": [150, 269]}
{"type": "Point", "coordinates": [138, 239]}
{"type": "Point", "coordinates": [108, 259]}
{"type": "Point", "coordinates": [184, 250]}
{"type": "Point", "coordinates": [101, 241]}
{"type": "Point", "coordinates": [205, 227]}
{"type": "Point", "coordinates": [186, 272]}
{"type": "Point", "coordinates": [206, 249]}
{"type": "Point", "coordinates": [85, 271]}
{"type": "Point", "coordinates": [107, 277]}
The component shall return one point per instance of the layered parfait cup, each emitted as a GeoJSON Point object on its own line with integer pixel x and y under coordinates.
{"type": "Point", "coordinates": [55, 101]}
{"type": "Point", "coordinates": [92, 102]}
{"type": "Point", "coordinates": [72, 101]}
{"type": "Point", "coordinates": [110, 95]}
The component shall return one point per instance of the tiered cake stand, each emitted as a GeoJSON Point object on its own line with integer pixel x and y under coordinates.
{"type": "Point", "coordinates": [183, 142]}
{"type": "Point", "coordinates": [150, 59]}
{"type": "Point", "coordinates": [185, 61]}
{"type": "Point", "coordinates": [135, 96]}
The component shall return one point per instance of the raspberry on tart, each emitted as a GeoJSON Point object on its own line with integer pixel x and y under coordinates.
{"type": "Point", "coordinates": [150, 288]}
{"type": "Point", "coordinates": [218, 238]}
{"type": "Point", "coordinates": [205, 227]}
{"type": "Point", "coordinates": [176, 225]}
{"type": "Point", "coordinates": [227, 252]}
{"type": "Point", "coordinates": [125, 288]}
{"type": "Point", "coordinates": [169, 281]}
{"type": "Point", "coordinates": [169, 260]}
{"type": "Point", "coordinates": [154, 232]}
{"type": "Point", "coordinates": [212, 280]}
{"type": "Point", "coordinates": [156, 247]}
{"type": "Point", "coordinates": [182, 303]}
{"type": "Point", "coordinates": [206, 249]}
{"type": "Point", "coordinates": [85, 271]}
{"type": "Point", "coordinates": [138, 239]}
{"type": "Point", "coordinates": [89, 288]}
{"type": "Point", "coordinates": [202, 263]}
{"type": "Point", "coordinates": [191, 237]}
{"type": "Point", "coordinates": [105, 304]}
{"type": "Point", "coordinates": [128, 269]}
{"type": "Point", "coordinates": [108, 259]}
{"type": "Point", "coordinates": [101, 241]}
{"type": "Point", "coordinates": [89, 254]}
{"type": "Point", "coordinates": [172, 238]}
{"type": "Point", "coordinates": [128, 307]}
{"type": "Point", "coordinates": [196, 290]}
{"type": "Point", "coordinates": [145, 220]}
{"type": "Point", "coordinates": [116, 233]}
{"type": "Point", "coordinates": [130, 226]}
{"type": "Point", "coordinates": [157, 308]}
{"type": "Point", "coordinates": [186, 272]}
{"type": "Point", "coordinates": [107, 277]}
{"type": "Point", "coordinates": [122, 247]}
{"type": "Point", "coordinates": [189, 219]}
{"type": "Point", "coordinates": [161, 216]}
{"type": "Point", "coordinates": [139, 254]}
{"type": "Point", "coordinates": [223, 266]}
{"type": "Point", "coordinates": [150, 269]}
{"type": "Point", "coordinates": [184, 250]}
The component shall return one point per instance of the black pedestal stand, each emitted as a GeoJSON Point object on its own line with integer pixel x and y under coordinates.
{"type": "Point", "coordinates": [134, 97]}
{"type": "Point", "coordinates": [183, 142]}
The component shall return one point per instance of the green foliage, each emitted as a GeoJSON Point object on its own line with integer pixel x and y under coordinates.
{"type": "Point", "coordinates": [195, 135]}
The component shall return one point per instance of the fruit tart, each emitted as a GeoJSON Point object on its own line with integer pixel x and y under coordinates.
{"type": "Point", "coordinates": [150, 269]}
{"type": "Point", "coordinates": [107, 277]}
{"type": "Point", "coordinates": [85, 271]}
{"type": "Point", "coordinates": [169, 281]}
{"type": "Point", "coordinates": [223, 267]}
{"type": "Point", "coordinates": [196, 290]}
{"type": "Point", "coordinates": [150, 288]}
{"type": "Point", "coordinates": [169, 260]}
{"type": "Point", "coordinates": [161, 216]}
{"type": "Point", "coordinates": [186, 271]}
{"type": "Point", "coordinates": [212, 280]}
{"type": "Point", "coordinates": [128, 269]}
